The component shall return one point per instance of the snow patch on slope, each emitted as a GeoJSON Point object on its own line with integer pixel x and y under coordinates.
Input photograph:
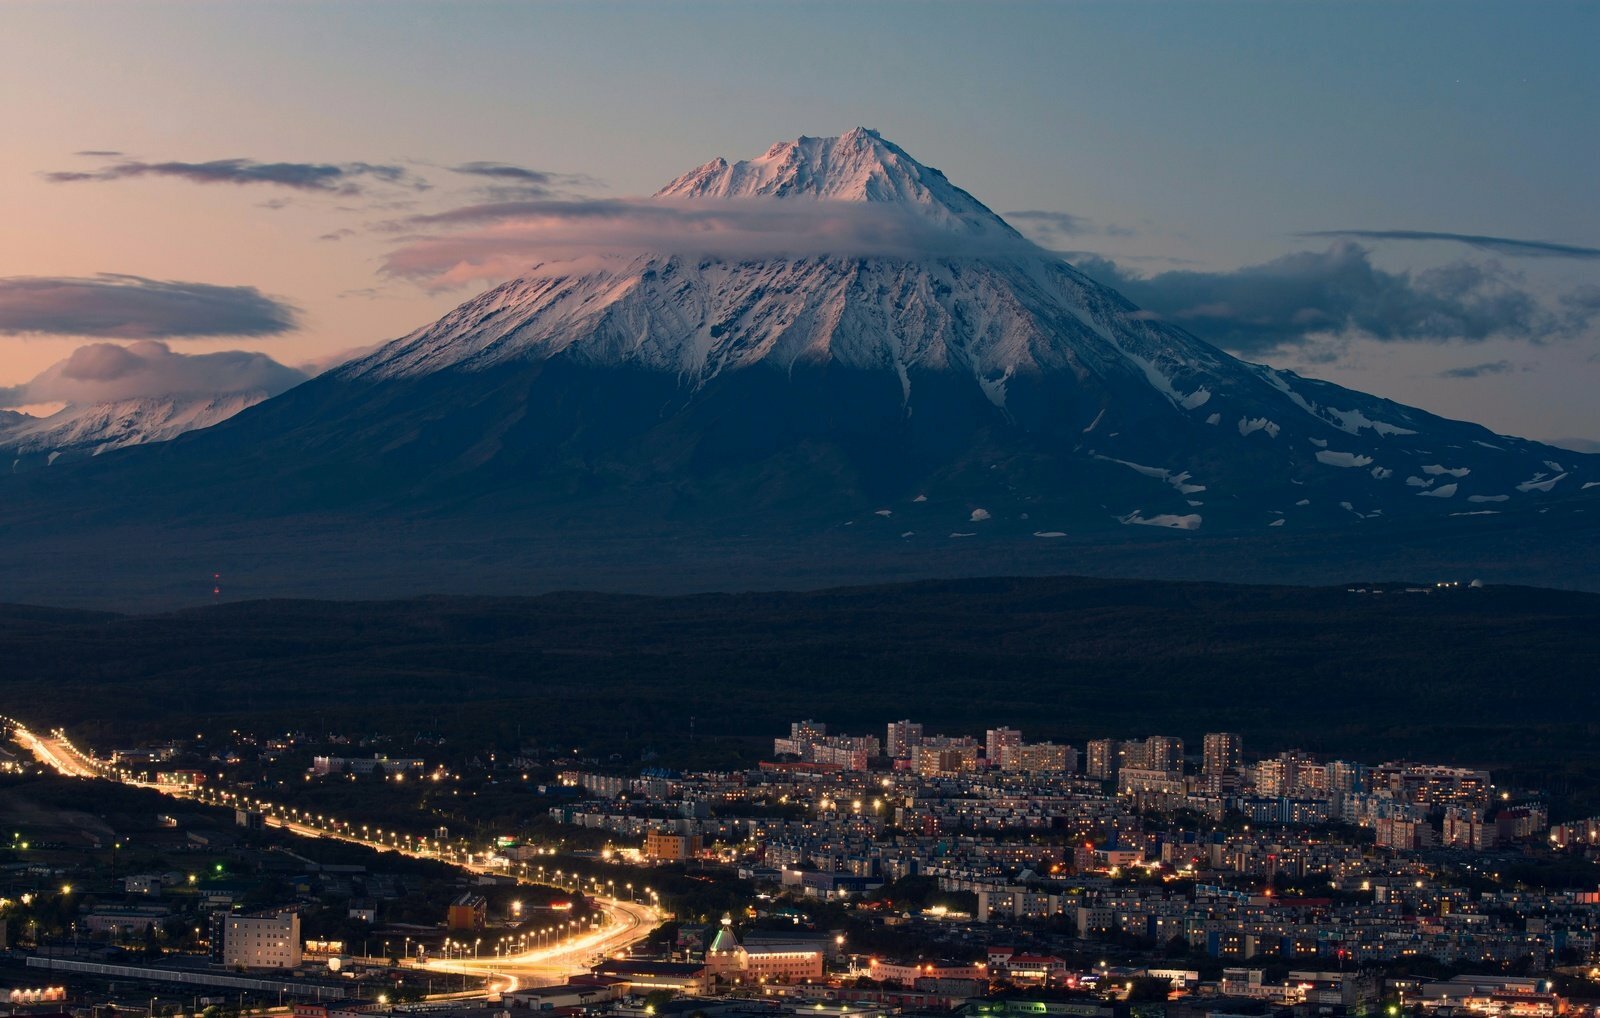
{"type": "Point", "coordinates": [1190, 521]}
{"type": "Point", "coordinates": [1348, 421]}
{"type": "Point", "coordinates": [1180, 481]}
{"type": "Point", "coordinates": [1354, 420]}
{"type": "Point", "coordinates": [1343, 459]}
{"type": "Point", "coordinates": [1249, 425]}
{"type": "Point", "coordinates": [1540, 483]}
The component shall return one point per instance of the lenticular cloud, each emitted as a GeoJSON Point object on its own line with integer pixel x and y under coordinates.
{"type": "Point", "coordinates": [105, 372]}
{"type": "Point", "coordinates": [132, 307]}
{"type": "Point", "coordinates": [502, 239]}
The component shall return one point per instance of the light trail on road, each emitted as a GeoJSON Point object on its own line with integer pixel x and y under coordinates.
{"type": "Point", "coordinates": [627, 922]}
{"type": "Point", "coordinates": [53, 752]}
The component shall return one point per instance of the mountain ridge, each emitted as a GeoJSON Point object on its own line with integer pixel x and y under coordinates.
{"type": "Point", "coordinates": [92, 429]}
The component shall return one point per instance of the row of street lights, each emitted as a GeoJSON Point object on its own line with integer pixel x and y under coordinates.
{"type": "Point", "coordinates": [393, 840]}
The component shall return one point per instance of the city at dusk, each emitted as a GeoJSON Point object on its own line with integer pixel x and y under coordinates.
{"type": "Point", "coordinates": [811, 509]}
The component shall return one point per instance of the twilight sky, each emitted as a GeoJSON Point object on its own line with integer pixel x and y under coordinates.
{"type": "Point", "coordinates": [1400, 198]}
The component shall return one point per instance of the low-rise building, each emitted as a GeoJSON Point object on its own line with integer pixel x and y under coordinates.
{"type": "Point", "coordinates": [262, 940]}
{"type": "Point", "coordinates": [468, 912]}
{"type": "Point", "coordinates": [663, 846]}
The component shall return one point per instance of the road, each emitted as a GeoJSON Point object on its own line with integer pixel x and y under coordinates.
{"type": "Point", "coordinates": [52, 750]}
{"type": "Point", "coordinates": [626, 921]}
{"type": "Point", "coordinates": [627, 924]}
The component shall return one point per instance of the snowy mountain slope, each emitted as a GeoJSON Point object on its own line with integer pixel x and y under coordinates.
{"type": "Point", "coordinates": [91, 430]}
{"type": "Point", "coordinates": [859, 166]}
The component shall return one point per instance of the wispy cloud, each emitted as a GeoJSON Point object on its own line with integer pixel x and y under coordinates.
{"type": "Point", "coordinates": [329, 361]}
{"type": "Point", "coordinates": [105, 372]}
{"type": "Point", "coordinates": [1064, 223]}
{"type": "Point", "coordinates": [1290, 300]}
{"type": "Point", "coordinates": [1583, 302]}
{"type": "Point", "coordinates": [522, 174]}
{"type": "Point", "coordinates": [1510, 246]}
{"type": "Point", "coordinates": [132, 307]}
{"type": "Point", "coordinates": [509, 181]}
{"type": "Point", "coordinates": [339, 178]}
{"type": "Point", "coordinates": [1479, 370]}
{"type": "Point", "coordinates": [507, 171]}
{"type": "Point", "coordinates": [1051, 228]}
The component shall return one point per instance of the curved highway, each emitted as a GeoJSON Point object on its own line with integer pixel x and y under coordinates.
{"type": "Point", "coordinates": [627, 922]}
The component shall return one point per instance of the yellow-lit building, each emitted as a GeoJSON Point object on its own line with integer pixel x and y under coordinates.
{"type": "Point", "coordinates": [660, 846]}
{"type": "Point", "coordinates": [732, 962]}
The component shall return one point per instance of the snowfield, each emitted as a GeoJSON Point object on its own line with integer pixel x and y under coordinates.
{"type": "Point", "coordinates": [1342, 459]}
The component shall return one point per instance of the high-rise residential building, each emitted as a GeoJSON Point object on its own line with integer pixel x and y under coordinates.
{"type": "Point", "coordinates": [1274, 777]}
{"type": "Point", "coordinates": [1405, 835]}
{"type": "Point", "coordinates": [1039, 756]}
{"type": "Point", "coordinates": [1163, 753]}
{"type": "Point", "coordinates": [807, 731]}
{"type": "Point", "coordinates": [1465, 828]}
{"type": "Point", "coordinates": [996, 743]}
{"type": "Point", "coordinates": [1221, 752]}
{"type": "Point", "coordinates": [1311, 780]}
{"type": "Point", "coordinates": [928, 759]}
{"type": "Point", "coordinates": [1345, 778]}
{"type": "Point", "coordinates": [1432, 785]}
{"type": "Point", "coordinates": [1520, 822]}
{"type": "Point", "coordinates": [1288, 773]}
{"type": "Point", "coordinates": [1103, 758]}
{"type": "Point", "coordinates": [810, 742]}
{"type": "Point", "coordinates": [901, 736]}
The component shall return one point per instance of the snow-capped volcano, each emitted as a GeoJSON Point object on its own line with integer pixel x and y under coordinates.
{"type": "Point", "coordinates": [879, 358]}
{"type": "Point", "coordinates": [1076, 374]}
{"type": "Point", "coordinates": [996, 311]}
